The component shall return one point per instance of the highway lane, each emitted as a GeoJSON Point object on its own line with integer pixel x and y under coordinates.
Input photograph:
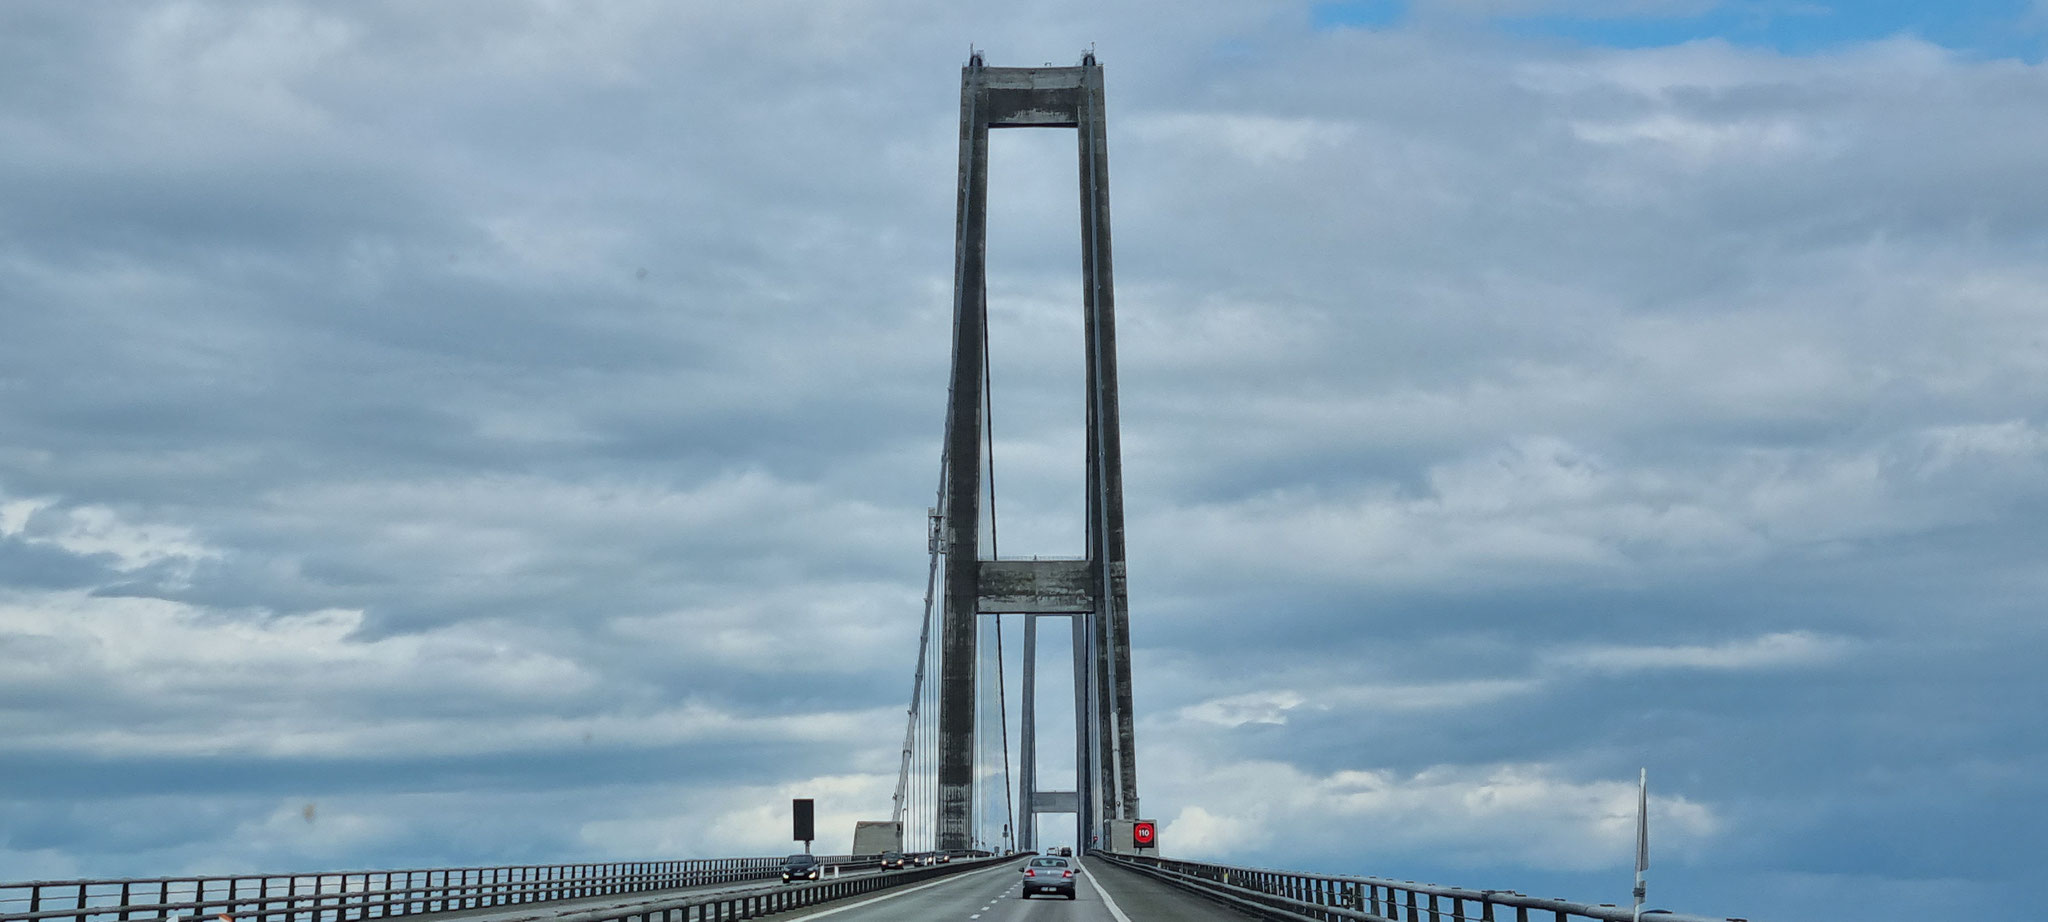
{"type": "Point", "coordinates": [1105, 894]}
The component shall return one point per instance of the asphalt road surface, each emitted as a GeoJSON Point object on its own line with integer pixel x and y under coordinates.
{"type": "Point", "coordinates": [1104, 894]}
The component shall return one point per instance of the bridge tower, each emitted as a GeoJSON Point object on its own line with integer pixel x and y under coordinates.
{"type": "Point", "coordinates": [1090, 591]}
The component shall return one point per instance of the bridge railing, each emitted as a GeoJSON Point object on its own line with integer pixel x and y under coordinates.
{"type": "Point", "coordinates": [749, 904]}
{"type": "Point", "coordinates": [358, 896]}
{"type": "Point", "coordinates": [1291, 895]}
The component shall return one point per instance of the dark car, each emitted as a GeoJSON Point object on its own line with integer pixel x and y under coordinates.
{"type": "Point", "coordinates": [1049, 875]}
{"type": "Point", "coordinates": [801, 867]}
{"type": "Point", "coordinates": [892, 860]}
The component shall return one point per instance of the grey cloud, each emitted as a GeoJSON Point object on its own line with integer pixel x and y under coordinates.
{"type": "Point", "coordinates": [1443, 354]}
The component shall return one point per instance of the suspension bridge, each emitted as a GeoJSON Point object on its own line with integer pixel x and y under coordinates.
{"type": "Point", "coordinates": [964, 817]}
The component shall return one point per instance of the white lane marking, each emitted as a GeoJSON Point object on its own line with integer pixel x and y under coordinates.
{"type": "Point", "coordinates": [896, 893]}
{"type": "Point", "coordinates": [1107, 900]}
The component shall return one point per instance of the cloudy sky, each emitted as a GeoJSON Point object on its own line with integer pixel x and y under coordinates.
{"type": "Point", "coordinates": [507, 428]}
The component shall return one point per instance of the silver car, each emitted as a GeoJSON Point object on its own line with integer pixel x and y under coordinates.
{"type": "Point", "coordinates": [1049, 875]}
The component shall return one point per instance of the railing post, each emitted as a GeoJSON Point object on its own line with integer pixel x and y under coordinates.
{"type": "Point", "coordinates": [1413, 916]}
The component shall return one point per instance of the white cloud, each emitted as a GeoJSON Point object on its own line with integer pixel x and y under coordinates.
{"type": "Point", "coordinates": [1542, 508]}
{"type": "Point", "coordinates": [1196, 831]}
{"type": "Point", "coordinates": [349, 424]}
{"type": "Point", "coordinates": [742, 819]}
{"type": "Point", "coordinates": [1263, 141]}
{"type": "Point", "coordinates": [89, 530]}
{"type": "Point", "coordinates": [1274, 706]}
{"type": "Point", "coordinates": [1268, 707]}
{"type": "Point", "coordinates": [1311, 689]}
{"type": "Point", "coordinates": [1782, 650]}
{"type": "Point", "coordinates": [174, 680]}
{"type": "Point", "coordinates": [1598, 9]}
{"type": "Point", "coordinates": [1698, 143]}
{"type": "Point", "coordinates": [1512, 813]}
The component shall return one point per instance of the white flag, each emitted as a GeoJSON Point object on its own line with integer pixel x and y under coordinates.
{"type": "Point", "coordinates": [1642, 838]}
{"type": "Point", "coordinates": [1643, 822]}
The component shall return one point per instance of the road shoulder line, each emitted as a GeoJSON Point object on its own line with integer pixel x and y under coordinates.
{"type": "Point", "coordinates": [1107, 900]}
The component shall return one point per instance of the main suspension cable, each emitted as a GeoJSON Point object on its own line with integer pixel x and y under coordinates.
{"type": "Point", "coordinates": [1002, 684]}
{"type": "Point", "coordinates": [988, 417]}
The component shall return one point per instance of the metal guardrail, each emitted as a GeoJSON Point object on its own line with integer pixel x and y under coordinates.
{"type": "Point", "coordinates": [1291, 896]}
{"type": "Point", "coordinates": [358, 896]}
{"type": "Point", "coordinates": [753, 903]}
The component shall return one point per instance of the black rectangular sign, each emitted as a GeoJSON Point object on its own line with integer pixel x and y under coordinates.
{"type": "Point", "coordinates": [806, 828]}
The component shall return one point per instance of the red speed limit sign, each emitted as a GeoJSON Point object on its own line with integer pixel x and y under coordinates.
{"type": "Point", "coordinates": [1143, 833]}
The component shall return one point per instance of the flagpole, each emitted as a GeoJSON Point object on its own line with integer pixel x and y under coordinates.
{"type": "Point", "coordinates": [1642, 837]}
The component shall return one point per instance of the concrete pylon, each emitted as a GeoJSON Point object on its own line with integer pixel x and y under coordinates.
{"type": "Point", "coordinates": [1091, 590]}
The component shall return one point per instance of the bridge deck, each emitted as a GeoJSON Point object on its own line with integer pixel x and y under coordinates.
{"type": "Point", "coordinates": [1104, 894]}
